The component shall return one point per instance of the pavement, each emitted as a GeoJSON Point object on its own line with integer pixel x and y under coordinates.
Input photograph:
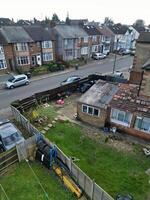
{"type": "Point", "coordinates": [5, 77]}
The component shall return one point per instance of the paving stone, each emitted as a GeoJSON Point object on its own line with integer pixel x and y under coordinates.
{"type": "Point", "coordinates": [50, 125]}
{"type": "Point", "coordinates": [43, 131]}
{"type": "Point", "coordinates": [46, 128]}
{"type": "Point", "coordinates": [53, 122]}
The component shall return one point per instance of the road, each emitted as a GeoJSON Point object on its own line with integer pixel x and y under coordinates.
{"type": "Point", "coordinates": [7, 96]}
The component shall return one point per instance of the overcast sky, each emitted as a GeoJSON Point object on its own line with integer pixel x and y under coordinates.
{"type": "Point", "coordinates": [126, 11]}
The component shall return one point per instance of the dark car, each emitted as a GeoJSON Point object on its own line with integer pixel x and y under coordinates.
{"type": "Point", "coordinates": [71, 79]}
{"type": "Point", "coordinates": [84, 87]}
{"type": "Point", "coordinates": [124, 52]}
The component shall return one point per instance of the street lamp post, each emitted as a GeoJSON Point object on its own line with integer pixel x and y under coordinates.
{"type": "Point", "coordinates": [114, 66]}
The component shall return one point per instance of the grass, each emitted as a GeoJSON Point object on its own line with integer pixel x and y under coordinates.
{"type": "Point", "coordinates": [115, 171]}
{"type": "Point", "coordinates": [20, 184]}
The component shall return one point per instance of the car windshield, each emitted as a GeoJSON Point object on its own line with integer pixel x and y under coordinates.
{"type": "Point", "coordinates": [11, 139]}
{"type": "Point", "coordinates": [11, 79]}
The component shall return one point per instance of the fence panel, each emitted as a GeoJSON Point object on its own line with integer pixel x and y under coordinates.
{"type": "Point", "coordinates": [97, 192]}
{"type": "Point", "coordinates": [88, 187]}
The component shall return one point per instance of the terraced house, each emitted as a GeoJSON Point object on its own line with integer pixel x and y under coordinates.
{"type": "Point", "coordinates": [42, 48]}
{"type": "Point", "coordinates": [25, 47]}
{"type": "Point", "coordinates": [3, 64]}
{"type": "Point", "coordinates": [16, 48]}
{"type": "Point", "coordinates": [71, 42]}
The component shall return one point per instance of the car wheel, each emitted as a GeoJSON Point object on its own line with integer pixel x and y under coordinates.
{"type": "Point", "coordinates": [11, 87]}
{"type": "Point", "coordinates": [27, 83]}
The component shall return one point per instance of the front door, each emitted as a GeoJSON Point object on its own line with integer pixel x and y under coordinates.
{"type": "Point", "coordinates": [10, 64]}
{"type": "Point", "coordinates": [38, 59]}
{"type": "Point", "coordinates": [33, 60]}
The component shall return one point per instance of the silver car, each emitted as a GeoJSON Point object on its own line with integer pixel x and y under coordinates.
{"type": "Point", "coordinates": [16, 81]}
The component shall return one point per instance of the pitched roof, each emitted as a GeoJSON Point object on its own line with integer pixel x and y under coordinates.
{"type": "Point", "coordinates": [5, 22]}
{"type": "Point", "coordinates": [91, 30]}
{"type": "Point", "coordinates": [70, 31]}
{"type": "Point", "coordinates": [144, 37]}
{"type": "Point", "coordinates": [38, 33]}
{"type": "Point", "coordinates": [139, 28]}
{"type": "Point", "coordinates": [99, 95]}
{"type": "Point", "coordinates": [127, 99]}
{"type": "Point", "coordinates": [14, 34]}
{"type": "Point", "coordinates": [2, 39]}
{"type": "Point", "coordinates": [105, 31]}
{"type": "Point", "coordinates": [118, 29]}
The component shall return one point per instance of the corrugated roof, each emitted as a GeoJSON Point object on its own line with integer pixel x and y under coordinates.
{"type": "Point", "coordinates": [14, 34]}
{"type": "Point", "coordinates": [144, 37]}
{"type": "Point", "coordinates": [38, 33]}
{"type": "Point", "coordinates": [70, 31]}
{"type": "Point", "coordinates": [99, 95]}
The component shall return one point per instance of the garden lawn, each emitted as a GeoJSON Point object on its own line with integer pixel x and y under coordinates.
{"type": "Point", "coordinates": [21, 184]}
{"type": "Point", "coordinates": [115, 171]}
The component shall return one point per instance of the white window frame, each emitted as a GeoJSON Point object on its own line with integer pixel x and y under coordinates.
{"type": "Point", "coordinates": [1, 50]}
{"type": "Point", "coordinates": [23, 60]}
{"type": "Point", "coordinates": [21, 46]}
{"type": "Point", "coordinates": [94, 48]}
{"type": "Point", "coordinates": [48, 56]}
{"type": "Point", "coordinates": [3, 64]}
{"type": "Point", "coordinates": [69, 52]}
{"type": "Point", "coordinates": [86, 39]}
{"type": "Point", "coordinates": [90, 107]}
{"type": "Point", "coordinates": [84, 51]}
{"type": "Point", "coordinates": [140, 129]}
{"type": "Point", "coordinates": [94, 38]}
{"type": "Point", "coordinates": [46, 44]}
{"type": "Point", "coordinates": [114, 120]}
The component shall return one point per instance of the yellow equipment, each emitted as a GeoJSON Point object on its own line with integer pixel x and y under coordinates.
{"type": "Point", "coordinates": [68, 182]}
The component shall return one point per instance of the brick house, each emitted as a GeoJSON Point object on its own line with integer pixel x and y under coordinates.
{"type": "Point", "coordinates": [107, 39]}
{"type": "Point", "coordinates": [92, 106]}
{"type": "Point", "coordinates": [130, 113]}
{"type": "Point", "coordinates": [116, 105]}
{"type": "Point", "coordinates": [16, 48]}
{"type": "Point", "coordinates": [94, 38]}
{"type": "Point", "coordinates": [141, 60]}
{"type": "Point", "coordinates": [42, 48]}
{"type": "Point", "coordinates": [71, 42]}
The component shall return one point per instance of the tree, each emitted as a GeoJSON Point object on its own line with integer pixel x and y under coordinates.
{"type": "Point", "coordinates": [108, 21]}
{"type": "Point", "coordinates": [139, 23]}
{"type": "Point", "coordinates": [55, 19]}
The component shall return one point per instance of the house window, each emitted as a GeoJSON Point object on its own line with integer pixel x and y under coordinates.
{"type": "Point", "coordinates": [3, 64]}
{"type": "Point", "coordinates": [85, 39]}
{"type": "Point", "coordinates": [1, 50]}
{"type": "Point", "coordinates": [21, 47]}
{"type": "Point", "coordinates": [47, 56]}
{"type": "Point", "coordinates": [84, 50]}
{"type": "Point", "coordinates": [23, 60]}
{"type": "Point", "coordinates": [69, 52]}
{"type": "Point", "coordinates": [143, 124]}
{"type": "Point", "coordinates": [46, 44]}
{"type": "Point", "coordinates": [90, 110]}
{"type": "Point", "coordinates": [121, 117]}
{"type": "Point", "coordinates": [95, 48]}
{"type": "Point", "coordinates": [94, 38]}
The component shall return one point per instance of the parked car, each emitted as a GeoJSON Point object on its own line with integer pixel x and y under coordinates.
{"type": "Point", "coordinates": [98, 56]}
{"type": "Point", "coordinates": [9, 135]}
{"type": "Point", "coordinates": [16, 81]}
{"type": "Point", "coordinates": [70, 80]}
{"type": "Point", "coordinates": [132, 53]}
{"type": "Point", "coordinates": [124, 52]}
{"type": "Point", "coordinates": [120, 197]}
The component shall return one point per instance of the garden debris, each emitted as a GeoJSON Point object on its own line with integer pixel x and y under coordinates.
{"type": "Point", "coordinates": [45, 105]}
{"type": "Point", "coordinates": [50, 125]}
{"type": "Point", "coordinates": [43, 131]}
{"type": "Point", "coordinates": [35, 114]}
{"type": "Point", "coordinates": [74, 159]}
{"type": "Point", "coordinates": [148, 172]}
{"type": "Point", "coordinates": [56, 119]}
{"type": "Point", "coordinates": [146, 151]}
{"type": "Point", "coordinates": [53, 122]}
{"type": "Point", "coordinates": [46, 128]}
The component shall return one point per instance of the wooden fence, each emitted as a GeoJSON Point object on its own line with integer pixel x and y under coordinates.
{"type": "Point", "coordinates": [7, 159]}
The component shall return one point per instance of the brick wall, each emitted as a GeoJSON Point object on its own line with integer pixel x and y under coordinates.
{"type": "Point", "coordinates": [95, 121]}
